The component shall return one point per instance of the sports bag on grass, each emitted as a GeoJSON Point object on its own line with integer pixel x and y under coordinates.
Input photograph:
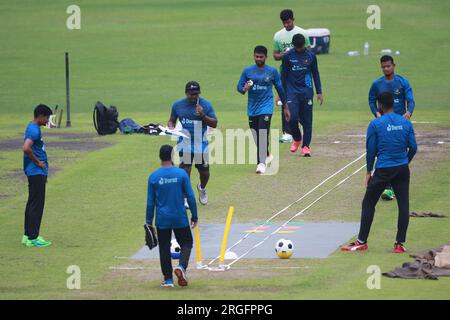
{"type": "Point", "coordinates": [105, 119]}
{"type": "Point", "coordinates": [128, 126]}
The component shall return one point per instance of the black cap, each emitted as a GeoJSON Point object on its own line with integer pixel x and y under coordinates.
{"type": "Point", "coordinates": [165, 153]}
{"type": "Point", "coordinates": [192, 87]}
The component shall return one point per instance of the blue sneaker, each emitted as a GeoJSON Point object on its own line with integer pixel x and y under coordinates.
{"type": "Point", "coordinates": [180, 272]}
{"type": "Point", "coordinates": [167, 283]}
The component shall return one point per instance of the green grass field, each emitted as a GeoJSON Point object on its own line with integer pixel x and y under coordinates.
{"type": "Point", "coordinates": [137, 55]}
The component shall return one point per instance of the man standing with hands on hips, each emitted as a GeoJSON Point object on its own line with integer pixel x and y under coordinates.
{"type": "Point", "coordinates": [35, 166]}
{"type": "Point", "coordinates": [298, 71]}
{"type": "Point", "coordinates": [195, 114]}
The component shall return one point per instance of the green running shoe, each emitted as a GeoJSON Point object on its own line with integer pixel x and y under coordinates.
{"type": "Point", "coordinates": [388, 194]}
{"type": "Point", "coordinates": [38, 242]}
{"type": "Point", "coordinates": [24, 239]}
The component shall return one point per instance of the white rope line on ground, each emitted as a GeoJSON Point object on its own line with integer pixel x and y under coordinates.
{"type": "Point", "coordinates": [291, 204]}
{"type": "Point", "coordinates": [292, 218]}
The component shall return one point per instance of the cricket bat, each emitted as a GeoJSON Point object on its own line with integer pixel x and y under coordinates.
{"type": "Point", "coordinates": [60, 118]}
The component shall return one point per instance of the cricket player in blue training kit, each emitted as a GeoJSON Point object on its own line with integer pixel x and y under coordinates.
{"type": "Point", "coordinates": [167, 188]}
{"type": "Point", "coordinates": [403, 98]}
{"type": "Point", "coordinates": [35, 166]}
{"type": "Point", "coordinates": [298, 71]}
{"type": "Point", "coordinates": [391, 140]}
{"type": "Point", "coordinates": [195, 115]}
{"type": "Point", "coordinates": [258, 80]}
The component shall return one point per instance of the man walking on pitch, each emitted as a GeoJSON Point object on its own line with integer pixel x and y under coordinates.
{"type": "Point", "coordinates": [282, 43]}
{"type": "Point", "coordinates": [403, 98]}
{"type": "Point", "coordinates": [258, 80]}
{"type": "Point", "coordinates": [195, 114]}
{"type": "Point", "coordinates": [390, 139]}
{"type": "Point", "coordinates": [167, 188]}
{"type": "Point", "coordinates": [298, 71]}
{"type": "Point", "coordinates": [35, 166]}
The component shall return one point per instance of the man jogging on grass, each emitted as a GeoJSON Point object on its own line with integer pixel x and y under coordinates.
{"type": "Point", "coordinates": [391, 140]}
{"type": "Point", "coordinates": [282, 43]}
{"type": "Point", "coordinates": [167, 188]}
{"type": "Point", "coordinates": [298, 71]}
{"type": "Point", "coordinates": [258, 80]}
{"type": "Point", "coordinates": [195, 114]}
{"type": "Point", "coordinates": [35, 166]}
{"type": "Point", "coordinates": [403, 98]}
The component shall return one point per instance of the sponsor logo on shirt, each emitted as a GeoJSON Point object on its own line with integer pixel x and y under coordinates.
{"type": "Point", "coordinates": [258, 87]}
{"type": "Point", "coordinates": [267, 79]}
{"type": "Point", "coordinates": [393, 128]}
{"type": "Point", "coordinates": [189, 121]}
{"type": "Point", "coordinates": [298, 68]}
{"type": "Point", "coordinates": [166, 180]}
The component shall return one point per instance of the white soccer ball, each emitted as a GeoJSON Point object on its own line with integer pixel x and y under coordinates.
{"type": "Point", "coordinates": [175, 249]}
{"type": "Point", "coordinates": [284, 248]}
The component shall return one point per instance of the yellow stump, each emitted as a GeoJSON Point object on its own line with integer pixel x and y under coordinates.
{"type": "Point", "coordinates": [225, 234]}
{"type": "Point", "coordinates": [197, 245]}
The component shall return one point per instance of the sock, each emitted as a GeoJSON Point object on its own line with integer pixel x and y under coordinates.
{"type": "Point", "coordinates": [362, 242]}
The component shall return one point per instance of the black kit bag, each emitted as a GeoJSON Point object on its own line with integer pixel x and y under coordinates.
{"type": "Point", "coordinates": [105, 119]}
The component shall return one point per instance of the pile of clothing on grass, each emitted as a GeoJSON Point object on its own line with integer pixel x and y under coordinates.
{"type": "Point", "coordinates": [430, 264]}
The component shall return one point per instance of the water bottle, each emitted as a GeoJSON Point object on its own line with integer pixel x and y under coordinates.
{"type": "Point", "coordinates": [366, 48]}
{"type": "Point", "coordinates": [353, 53]}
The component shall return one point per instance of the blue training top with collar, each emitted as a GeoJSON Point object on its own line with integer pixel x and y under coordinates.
{"type": "Point", "coordinates": [260, 95]}
{"type": "Point", "coordinates": [167, 188]}
{"type": "Point", "coordinates": [391, 140]}
{"type": "Point", "coordinates": [33, 132]}
{"type": "Point", "coordinates": [399, 87]}
{"type": "Point", "coordinates": [192, 124]}
{"type": "Point", "coordinates": [298, 71]}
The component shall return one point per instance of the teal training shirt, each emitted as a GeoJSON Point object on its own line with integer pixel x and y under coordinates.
{"type": "Point", "coordinates": [33, 132]}
{"type": "Point", "coordinates": [167, 188]}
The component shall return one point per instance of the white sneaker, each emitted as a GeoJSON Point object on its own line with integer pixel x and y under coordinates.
{"type": "Point", "coordinates": [261, 168]}
{"type": "Point", "coordinates": [286, 138]}
{"type": "Point", "coordinates": [186, 204]}
{"type": "Point", "coordinates": [269, 159]}
{"type": "Point", "coordinates": [202, 195]}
